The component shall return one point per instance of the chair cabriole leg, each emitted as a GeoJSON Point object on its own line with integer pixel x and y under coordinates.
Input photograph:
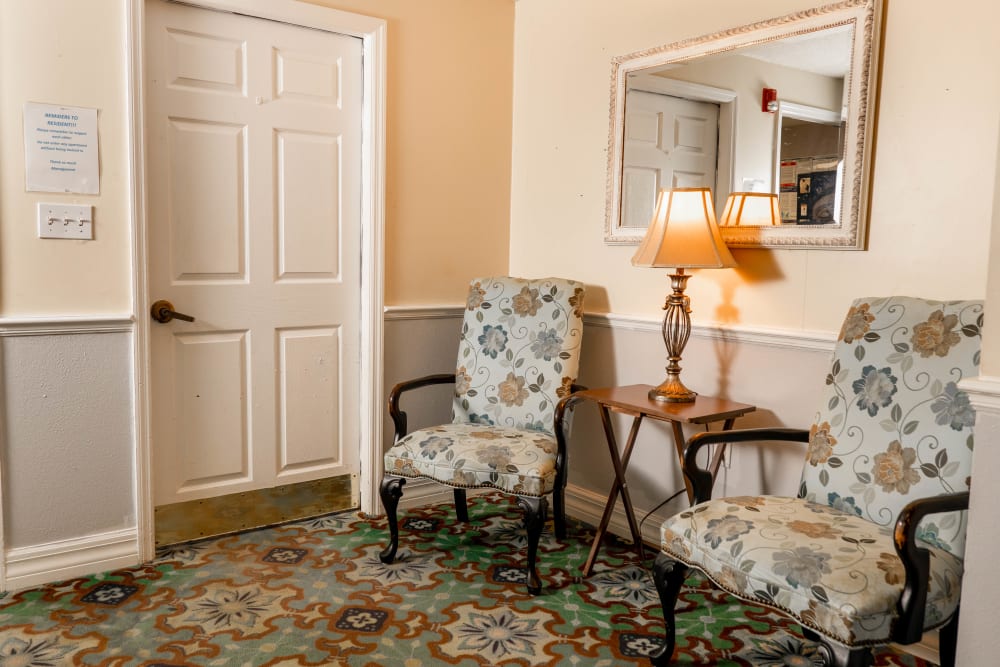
{"type": "Point", "coordinates": [838, 655]}
{"type": "Point", "coordinates": [668, 575]}
{"type": "Point", "coordinates": [461, 506]}
{"type": "Point", "coordinates": [948, 641]}
{"type": "Point", "coordinates": [559, 513]}
{"type": "Point", "coordinates": [535, 510]}
{"type": "Point", "coordinates": [391, 490]}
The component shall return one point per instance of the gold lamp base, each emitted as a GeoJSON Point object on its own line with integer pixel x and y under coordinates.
{"type": "Point", "coordinates": [672, 390]}
{"type": "Point", "coordinates": [676, 330]}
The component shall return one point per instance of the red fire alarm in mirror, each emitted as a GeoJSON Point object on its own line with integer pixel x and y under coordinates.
{"type": "Point", "coordinates": [769, 100]}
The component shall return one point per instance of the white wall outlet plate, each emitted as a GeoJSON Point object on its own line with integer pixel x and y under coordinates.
{"type": "Point", "coordinates": [65, 221]}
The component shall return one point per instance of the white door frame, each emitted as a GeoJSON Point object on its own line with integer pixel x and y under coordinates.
{"type": "Point", "coordinates": [372, 32]}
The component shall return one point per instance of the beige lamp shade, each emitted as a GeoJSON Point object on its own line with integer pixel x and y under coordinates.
{"type": "Point", "coordinates": [751, 209]}
{"type": "Point", "coordinates": [683, 233]}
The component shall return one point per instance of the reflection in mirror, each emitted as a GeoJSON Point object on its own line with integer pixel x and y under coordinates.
{"type": "Point", "coordinates": [809, 159]}
{"type": "Point", "coordinates": [678, 134]}
{"type": "Point", "coordinates": [691, 114]}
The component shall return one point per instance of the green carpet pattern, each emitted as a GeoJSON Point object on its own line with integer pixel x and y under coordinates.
{"type": "Point", "coordinates": [314, 593]}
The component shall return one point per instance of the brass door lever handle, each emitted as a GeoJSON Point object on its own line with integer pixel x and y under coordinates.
{"type": "Point", "coordinates": [163, 311]}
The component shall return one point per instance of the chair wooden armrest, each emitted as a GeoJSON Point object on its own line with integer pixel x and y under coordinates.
{"type": "Point", "coordinates": [701, 479]}
{"type": "Point", "coordinates": [567, 404]}
{"type": "Point", "coordinates": [916, 561]}
{"type": "Point", "coordinates": [398, 416]}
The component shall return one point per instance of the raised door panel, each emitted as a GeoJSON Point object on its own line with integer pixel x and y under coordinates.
{"type": "Point", "coordinates": [212, 429]}
{"type": "Point", "coordinates": [205, 62]}
{"type": "Point", "coordinates": [690, 134]}
{"type": "Point", "coordinates": [307, 77]}
{"type": "Point", "coordinates": [310, 394]}
{"type": "Point", "coordinates": [308, 200]}
{"type": "Point", "coordinates": [693, 143]}
{"type": "Point", "coordinates": [206, 200]}
{"type": "Point", "coordinates": [641, 185]}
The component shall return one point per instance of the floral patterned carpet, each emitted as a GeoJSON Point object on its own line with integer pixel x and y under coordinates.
{"type": "Point", "coordinates": [315, 593]}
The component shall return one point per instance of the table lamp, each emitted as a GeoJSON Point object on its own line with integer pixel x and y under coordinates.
{"type": "Point", "coordinates": [751, 209]}
{"type": "Point", "coordinates": [682, 235]}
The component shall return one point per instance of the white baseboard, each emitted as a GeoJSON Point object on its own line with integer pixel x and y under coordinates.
{"type": "Point", "coordinates": [984, 393]}
{"type": "Point", "coordinates": [424, 492]}
{"type": "Point", "coordinates": [588, 506]}
{"type": "Point", "coordinates": [66, 559]}
{"type": "Point", "coordinates": [925, 649]}
{"type": "Point", "coordinates": [581, 504]}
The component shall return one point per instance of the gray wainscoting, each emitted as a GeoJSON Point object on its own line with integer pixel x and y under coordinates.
{"type": "Point", "coordinates": [68, 449]}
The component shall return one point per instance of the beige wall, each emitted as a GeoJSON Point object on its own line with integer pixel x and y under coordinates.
{"type": "Point", "coordinates": [76, 52]}
{"type": "Point", "coordinates": [450, 65]}
{"type": "Point", "coordinates": [932, 198]}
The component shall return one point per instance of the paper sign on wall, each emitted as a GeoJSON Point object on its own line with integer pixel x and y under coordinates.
{"type": "Point", "coordinates": [60, 149]}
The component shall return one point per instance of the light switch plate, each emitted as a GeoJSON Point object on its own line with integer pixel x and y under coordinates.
{"type": "Point", "coordinates": [65, 221]}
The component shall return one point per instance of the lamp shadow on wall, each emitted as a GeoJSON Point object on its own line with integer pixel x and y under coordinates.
{"type": "Point", "coordinates": [753, 267]}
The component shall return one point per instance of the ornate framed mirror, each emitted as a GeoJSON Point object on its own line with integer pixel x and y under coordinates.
{"type": "Point", "coordinates": [695, 113]}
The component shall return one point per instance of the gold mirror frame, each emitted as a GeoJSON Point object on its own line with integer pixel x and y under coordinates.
{"type": "Point", "coordinates": [865, 16]}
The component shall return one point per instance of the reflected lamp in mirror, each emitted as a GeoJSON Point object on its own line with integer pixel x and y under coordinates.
{"type": "Point", "coordinates": [751, 209]}
{"type": "Point", "coordinates": [683, 234]}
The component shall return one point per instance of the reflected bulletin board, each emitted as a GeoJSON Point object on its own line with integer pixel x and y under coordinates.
{"type": "Point", "coordinates": [808, 191]}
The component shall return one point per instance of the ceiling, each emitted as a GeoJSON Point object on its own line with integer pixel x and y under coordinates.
{"type": "Point", "coordinates": [826, 52]}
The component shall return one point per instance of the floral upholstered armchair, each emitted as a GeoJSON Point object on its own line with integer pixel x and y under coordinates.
{"type": "Point", "coordinates": [870, 552]}
{"type": "Point", "coordinates": [518, 356]}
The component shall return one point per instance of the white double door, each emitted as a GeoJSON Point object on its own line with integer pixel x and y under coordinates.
{"type": "Point", "coordinates": [253, 160]}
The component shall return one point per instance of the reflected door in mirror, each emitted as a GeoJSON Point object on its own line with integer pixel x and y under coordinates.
{"type": "Point", "coordinates": [670, 143]}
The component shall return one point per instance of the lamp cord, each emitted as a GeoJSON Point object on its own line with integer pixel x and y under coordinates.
{"type": "Point", "coordinates": [642, 555]}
